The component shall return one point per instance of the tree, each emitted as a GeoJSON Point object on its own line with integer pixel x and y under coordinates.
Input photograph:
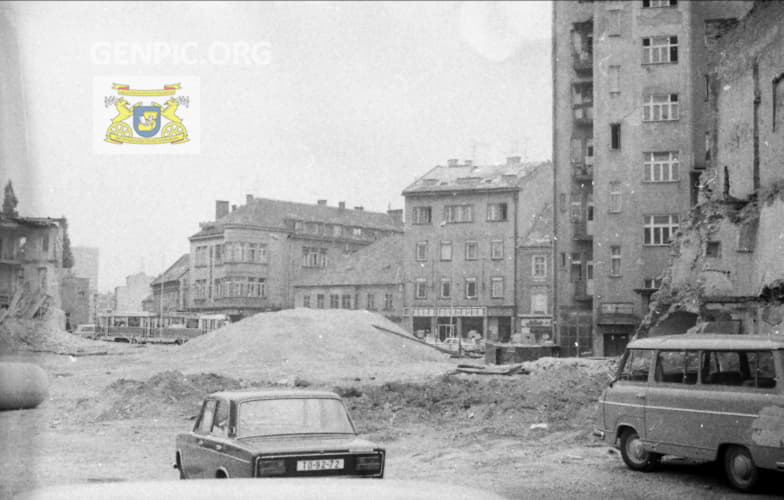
{"type": "Point", "coordinates": [10, 201]}
{"type": "Point", "coordinates": [68, 259]}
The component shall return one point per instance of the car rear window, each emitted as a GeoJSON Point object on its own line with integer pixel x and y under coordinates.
{"type": "Point", "coordinates": [739, 368]}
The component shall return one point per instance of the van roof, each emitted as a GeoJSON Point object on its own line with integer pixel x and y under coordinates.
{"type": "Point", "coordinates": [709, 341]}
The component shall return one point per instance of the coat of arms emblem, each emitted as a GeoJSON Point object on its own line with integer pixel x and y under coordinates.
{"type": "Point", "coordinates": [147, 125]}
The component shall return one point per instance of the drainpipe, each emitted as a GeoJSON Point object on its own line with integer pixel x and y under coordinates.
{"type": "Point", "coordinates": [755, 130]}
{"type": "Point", "coordinates": [514, 265]}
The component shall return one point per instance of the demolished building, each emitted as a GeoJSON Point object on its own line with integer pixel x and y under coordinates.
{"type": "Point", "coordinates": [727, 273]}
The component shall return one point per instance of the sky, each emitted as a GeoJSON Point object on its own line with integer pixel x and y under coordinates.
{"type": "Point", "coordinates": [296, 101]}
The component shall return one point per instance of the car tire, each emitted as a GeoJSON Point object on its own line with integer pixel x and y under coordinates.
{"type": "Point", "coordinates": [739, 468]}
{"type": "Point", "coordinates": [634, 456]}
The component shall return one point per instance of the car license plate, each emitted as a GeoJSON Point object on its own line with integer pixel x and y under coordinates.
{"type": "Point", "coordinates": [328, 464]}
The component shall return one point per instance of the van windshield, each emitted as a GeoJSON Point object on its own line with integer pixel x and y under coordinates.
{"type": "Point", "coordinates": [636, 365]}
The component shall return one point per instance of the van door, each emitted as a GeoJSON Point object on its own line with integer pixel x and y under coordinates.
{"type": "Point", "coordinates": [624, 404]}
{"type": "Point", "coordinates": [676, 423]}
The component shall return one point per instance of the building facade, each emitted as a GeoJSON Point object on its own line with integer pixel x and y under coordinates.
{"type": "Point", "coordinates": [170, 288]}
{"type": "Point", "coordinates": [370, 278]}
{"type": "Point", "coordinates": [464, 224]}
{"type": "Point", "coordinates": [629, 144]}
{"type": "Point", "coordinates": [248, 259]}
{"type": "Point", "coordinates": [129, 297]}
{"type": "Point", "coordinates": [31, 257]}
{"type": "Point", "coordinates": [86, 266]}
{"type": "Point", "coordinates": [76, 304]}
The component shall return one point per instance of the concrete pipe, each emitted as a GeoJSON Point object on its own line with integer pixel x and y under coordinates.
{"type": "Point", "coordinates": [22, 386]}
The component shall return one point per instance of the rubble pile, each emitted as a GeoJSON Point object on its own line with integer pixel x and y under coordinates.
{"type": "Point", "coordinates": [165, 394]}
{"type": "Point", "coordinates": [43, 335]}
{"type": "Point", "coordinates": [310, 346]}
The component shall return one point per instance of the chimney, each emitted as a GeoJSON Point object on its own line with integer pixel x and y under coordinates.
{"type": "Point", "coordinates": [396, 215]}
{"type": "Point", "coordinates": [359, 208]}
{"type": "Point", "coordinates": [322, 203]}
{"type": "Point", "coordinates": [248, 198]}
{"type": "Point", "coordinates": [469, 163]}
{"type": "Point", "coordinates": [513, 160]}
{"type": "Point", "coordinates": [221, 209]}
{"type": "Point", "coordinates": [452, 162]}
{"type": "Point", "coordinates": [342, 205]}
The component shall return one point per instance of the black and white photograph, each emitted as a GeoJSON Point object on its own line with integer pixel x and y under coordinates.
{"type": "Point", "coordinates": [392, 250]}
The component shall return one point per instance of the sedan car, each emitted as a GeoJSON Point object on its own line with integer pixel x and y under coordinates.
{"type": "Point", "coordinates": [275, 434]}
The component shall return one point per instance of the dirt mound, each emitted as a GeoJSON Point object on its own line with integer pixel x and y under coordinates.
{"type": "Point", "coordinates": [165, 394]}
{"type": "Point", "coordinates": [589, 366]}
{"type": "Point", "coordinates": [310, 345]}
{"type": "Point", "coordinates": [44, 335]}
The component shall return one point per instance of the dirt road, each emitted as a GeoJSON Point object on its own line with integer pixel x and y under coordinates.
{"type": "Point", "coordinates": [103, 422]}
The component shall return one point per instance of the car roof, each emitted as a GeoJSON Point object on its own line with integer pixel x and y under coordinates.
{"type": "Point", "coordinates": [708, 341]}
{"type": "Point", "coordinates": [272, 394]}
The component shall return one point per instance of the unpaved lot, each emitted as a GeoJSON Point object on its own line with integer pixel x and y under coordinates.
{"type": "Point", "coordinates": [114, 417]}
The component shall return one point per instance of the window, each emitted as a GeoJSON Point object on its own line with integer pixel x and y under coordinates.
{"type": "Point", "coordinates": [615, 197]}
{"type": "Point", "coordinates": [539, 267]}
{"type": "Point", "coordinates": [356, 232]}
{"type": "Point", "coordinates": [658, 229]}
{"type": "Point", "coordinates": [496, 211]}
{"type": "Point", "coordinates": [754, 369]}
{"type": "Point", "coordinates": [615, 261]}
{"type": "Point", "coordinates": [576, 269]}
{"type": "Point", "coordinates": [648, 4]}
{"type": "Point", "coordinates": [420, 289]}
{"type": "Point", "coordinates": [713, 249]}
{"type": "Point", "coordinates": [345, 301]}
{"type": "Point", "coordinates": [314, 257]}
{"type": "Point", "coordinates": [471, 250]}
{"type": "Point", "coordinates": [615, 136]}
{"type": "Point", "coordinates": [45, 243]}
{"type": "Point", "coordinates": [221, 423]}
{"type": "Point", "coordinates": [576, 208]}
{"type": "Point", "coordinates": [539, 303]}
{"type": "Point", "coordinates": [636, 366]}
{"type": "Point", "coordinates": [201, 256]}
{"type": "Point", "coordinates": [334, 301]}
{"type": "Point", "coordinates": [660, 50]}
{"type": "Point", "coordinates": [660, 166]}
{"type": "Point", "coordinates": [497, 288]}
{"type": "Point", "coordinates": [614, 79]}
{"type": "Point", "coordinates": [371, 302]}
{"type": "Point", "coordinates": [458, 213]}
{"type": "Point", "coordinates": [614, 22]}
{"type": "Point", "coordinates": [446, 250]}
{"type": "Point", "coordinates": [422, 215]}
{"type": "Point", "coordinates": [651, 283]}
{"type": "Point", "coordinates": [421, 251]}
{"type": "Point", "coordinates": [660, 108]}
{"type": "Point", "coordinates": [470, 288]}
{"type": "Point", "coordinates": [497, 249]}
{"type": "Point", "coordinates": [446, 288]}
{"type": "Point", "coordinates": [306, 301]}
{"type": "Point", "coordinates": [320, 301]}
{"type": "Point", "coordinates": [677, 367]}
{"type": "Point", "coordinates": [207, 417]}
{"type": "Point", "coordinates": [388, 302]}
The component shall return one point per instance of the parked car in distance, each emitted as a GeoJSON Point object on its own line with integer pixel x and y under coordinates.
{"type": "Point", "coordinates": [701, 396]}
{"type": "Point", "coordinates": [275, 434]}
{"type": "Point", "coordinates": [88, 330]}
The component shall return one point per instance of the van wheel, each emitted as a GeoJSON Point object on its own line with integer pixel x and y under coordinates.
{"type": "Point", "coordinates": [634, 455]}
{"type": "Point", "coordinates": [740, 469]}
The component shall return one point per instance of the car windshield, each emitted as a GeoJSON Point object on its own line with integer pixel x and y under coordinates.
{"type": "Point", "coordinates": [270, 417]}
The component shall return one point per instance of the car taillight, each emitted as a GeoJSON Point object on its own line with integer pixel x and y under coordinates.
{"type": "Point", "coordinates": [368, 463]}
{"type": "Point", "coordinates": [275, 467]}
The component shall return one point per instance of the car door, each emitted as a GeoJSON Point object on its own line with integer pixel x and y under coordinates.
{"type": "Point", "coordinates": [196, 459]}
{"type": "Point", "coordinates": [624, 403]}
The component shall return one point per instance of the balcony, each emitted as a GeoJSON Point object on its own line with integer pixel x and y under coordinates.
{"type": "Point", "coordinates": [583, 113]}
{"type": "Point", "coordinates": [582, 172]}
{"type": "Point", "coordinates": [582, 62]}
{"type": "Point", "coordinates": [583, 290]}
{"type": "Point", "coordinates": [583, 230]}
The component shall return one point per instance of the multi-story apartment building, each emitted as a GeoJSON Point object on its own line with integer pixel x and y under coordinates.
{"type": "Point", "coordinates": [31, 257]}
{"type": "Point", "coordinates": [463, 226]}
{"type": "Point", "coordinates": [170, 288]}
{"type": "Point", "coordinates": [370, 278]}
{"type": "Point", "coordinates": [130, 297]}
{"type": "Point", "coordinates": [247, 260]}
{"type": "Point", "coordinates": [629, 143]}
{"type": "Point", "coordinates": [86, 266]}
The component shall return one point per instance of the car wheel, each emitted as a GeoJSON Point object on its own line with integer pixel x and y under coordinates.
{"type": "Point", "coordinates": [634, 455]}
{"type": "Point", "coordinates": [740, 469]}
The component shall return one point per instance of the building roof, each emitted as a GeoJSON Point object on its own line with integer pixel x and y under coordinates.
{"type": "Point", "coordinates": [175, 272]}
{"type": "Point", "coordinates": [11, 221]}
{"type": "Point", "coordinates": [274, 214]}
{"type": "Point", "coordinates": [469, 177]}
{"type": "Point", "coordinates": [381, 262]}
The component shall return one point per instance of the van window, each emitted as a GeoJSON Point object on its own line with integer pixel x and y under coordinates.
{"type": "Point", "coordinates": [637, 365]}
{"type": "Point", "coordinates": [677, 367]}
{"type": "Point", "coordinates": [739, 368]}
